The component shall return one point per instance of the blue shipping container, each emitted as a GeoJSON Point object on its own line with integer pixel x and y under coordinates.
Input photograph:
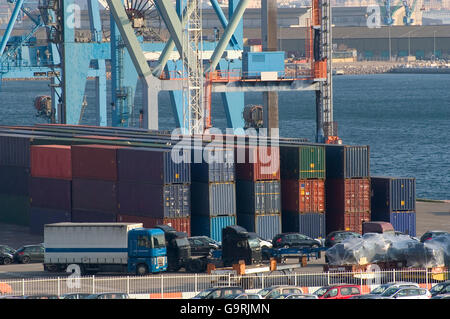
{"type": "Point", "coordinates": [309, 224]}
{"type": "Point", "coordinates": [213, 199]}
{"type": "Point", "coordinates": [389, 194]}
{"type": "Point", "coordinates": [41, 216]}
{"type": "Point", "coordinates": [265, 226]}
{"type": "Point", "coordinates": [261, 197]}
{"type": "Point", "coordinates": [404, 222]}
{"type": "Point", "coordinates": [254, 63]}
{"type": "Point", "coordinates": [211, 226]}
{"type": "Point", "coordinates": [214, 166]}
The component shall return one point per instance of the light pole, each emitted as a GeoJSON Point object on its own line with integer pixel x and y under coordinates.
{"type": "Point", "coordinates": [434, 45]}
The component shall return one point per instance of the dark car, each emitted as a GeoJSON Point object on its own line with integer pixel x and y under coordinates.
{"type": "Point", "coordinates": [219, 293]}
{"type": "Point", "coordinates": [41, 297]}
{"type": "Point", "coordinates": [109, 295]}
{"type": "Point", "coordinates": [376, 292]}
{"type": "Point", "coordinates": [6, 255]}
{"type": "Point", "coordinates": [296, 240]}
{"type": "Point", "coordinates": [339, 236]}
{"type": "Point", "coordinates": [431, 234]}
{"type": "Point", "coordinates": [30, 253]}
{"type": "Point", "coordinates": [440, 288]}
{"type": "Point", "coordinates": [202, 245]}
{"type": "Point", "coordinates": [76, 295]}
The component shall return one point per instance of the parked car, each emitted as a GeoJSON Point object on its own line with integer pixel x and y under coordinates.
{"type": "Point", "coordinates": [30, 253]}
{"type": "Point", "coordinates": [376, 292]}
{"type": "Point", "coordinates": [243, 296]}
{"type": "Point", "coordinates": [76, 296]}
{"type": "Point", "coordinates": [440, 288]}
{"type": "Point", "coordinates": [344, 291]}
{"type": "Point", "coordinates": [264, 244]}
{"type": "Point", "coordinates": [405, 293]}
{"type": "Point", "coordinates": [109, 295]}
{"type": "Point", "coordinates": [274, 292]}
{"type": "Point", "coordinates": [443, 296]}
{"type": "Point", "coordinates": [431, 234]}
{"type": "Point", "coordinates": [202, 245]}
{"type": "Point", "coordinates": [40, 297]}
{"type": "Point", "coordinates": [6, 255]}
{"type": "Point", "coordinates": [297, 296]}
{"type": "Point", "coordinates": [219, 292]}
{"type": "Point", "coordinates": [339, 236]}
{"type": "Point", "coordinates": [297, 240]}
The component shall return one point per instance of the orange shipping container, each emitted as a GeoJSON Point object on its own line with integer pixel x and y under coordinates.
{"type": "Point", "coordinates": [303, 196]}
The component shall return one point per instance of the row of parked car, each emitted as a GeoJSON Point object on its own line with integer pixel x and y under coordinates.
{"type": "Point", "coordinates": [393, 290]}
{"type": "Point", "coordinates": [23, 255]}
{"type": "Point", "coordinates": [107, 295]}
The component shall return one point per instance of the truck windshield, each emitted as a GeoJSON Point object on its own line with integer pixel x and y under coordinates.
{"type": "Point", "coordinates": [253, 242]}
{"type": "Point", "coordinates": [182, 242]}
{"type": "Point", "coordinates": [158, 241]}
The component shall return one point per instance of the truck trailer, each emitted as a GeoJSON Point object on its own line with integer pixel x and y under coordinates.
{"type": "Point", "coordinates": [104, 247]}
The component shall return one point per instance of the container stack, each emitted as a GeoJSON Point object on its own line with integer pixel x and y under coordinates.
{"type": "Point", "coordinates": [153, 189]}
{"type": "Point", "coordinates": [50, 186]}
{"type": "Point", "coordinates": [94, 183]}
{"type": "Point", "coordinates": [303, 189]}
{"type": "Point", "coordinates": [393, 200]}
{"type": "Point", "coordinates": [213, 192]}
{"type": "Point", "coordinates": [258, 189]}
{"type": "Point", "coordinates": [14, 180]}
{"type": "Point", "coordinates": [347, 187]}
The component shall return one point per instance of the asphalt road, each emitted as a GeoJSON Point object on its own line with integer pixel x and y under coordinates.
{"type": "Point", "coordinates": [430, 216]}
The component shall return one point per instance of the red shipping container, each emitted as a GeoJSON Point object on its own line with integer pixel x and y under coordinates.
{"type": "Point", "coordinates": [257, 163]}
{"type": "Point", "coordinates": [303, 196]}
{"type": "Point", "coordinates": [51, 161]}
{"type": "Point", "coordinates": [347, 195]}
{"type": "Point", "coordinates": [181, 224]}
{"type": "Point", "coordinates": [95, 162]}
{"type": "Point", "coordinates": [346, 221]}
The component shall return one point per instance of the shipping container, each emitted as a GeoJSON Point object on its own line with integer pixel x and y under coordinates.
{"type": "Point", "coordinates": [15, 209]}
{"type": "Point", "coordinates": [213, 199]}
{"type": "Point", "coordinates": [309, 224]}
{"type": "Point", "coordinates": [94, 195]}
{"type": "Point", "coordinates": [347, 195]}
{"type": "Point", "coordinates": [41, 216]}
{"type": "Point", "coordinates": [86, 216]}
{"type": "Point", "coordinates": [215, 165]}
{"type": "Point", "coordinates": [151, 165]}
{"type": "Point", "coordinates": [404, 221]}
{"type": "Point", "coordinates": [302, 162]}
{"type": "Point", "coordinates": [14, 151]}
{"type": "Point", "coordinates": [95, 162]}
{"type": "Point", "coordinates": [14, 180]}
{"type": "Point", "coordinates": [257, 163]}
{"type": "Point", "coordinates": [389, 194]}
{"type": "Point", "coordinates": [261, 197]}
{"type": "Point", "coordinates": [253, 63]}
{"type": "Point", "coordinates": [51, 193]}
{"type": "Point", "coordinates": [210, 226]}
{"type": "Point", "coordinates": [347, 161]}
{"type": "Point", "coordinates": [265, 226]}
{"type": "Point", "coordinates": [303, 196]}
{"type": "Point", "coordinates": [346, 221]}
{"type": "Point", "coordinates": [51, 161]}
{"type": "Point", "coordinates": [181, 224]}
{"type": "Point", "coordinates": [158, 201]}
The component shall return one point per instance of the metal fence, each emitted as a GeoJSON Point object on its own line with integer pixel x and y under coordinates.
{"type": "Point", "coordinates": [182, 285]}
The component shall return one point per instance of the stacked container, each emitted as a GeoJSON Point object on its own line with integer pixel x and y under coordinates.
{"type": "Point", "coordinates": [258, 189]}
{"type": "Point", "coordinates": [14, 180]}
{"type": "Point", "coordinates": [50, 186]}
{"type": "Point", "coordinates": [95, 183]}
{"type": "Point", "coordinates": [153, 189]}
{"type": "Point", "coordinates": [303, 189]}
{"type": "Point", "coordinates": [213, 191]}
{"type": "Point", "coordinates": [347, 187]}
{"type": "Point", "coordinates": [393, 200]}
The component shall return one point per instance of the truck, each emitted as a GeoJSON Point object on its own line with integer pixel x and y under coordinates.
{"type": "Point", "coordinates": [104, 247]}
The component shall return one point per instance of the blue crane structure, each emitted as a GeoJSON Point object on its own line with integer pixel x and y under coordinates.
{"type": "Point", "coordinates": [71, 63]}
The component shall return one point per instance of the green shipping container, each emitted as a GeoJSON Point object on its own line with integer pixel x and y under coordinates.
{"type": "Point", "coordinates": [302, 162]}
{"type": "Point", "coordinates": [15, 209]}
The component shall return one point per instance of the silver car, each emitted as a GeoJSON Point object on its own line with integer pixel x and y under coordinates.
{"type": "Point", "coordinates": [405, 293]}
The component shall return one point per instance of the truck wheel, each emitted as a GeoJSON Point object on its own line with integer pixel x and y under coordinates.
{"type": "Point", "coordinates": [51, 268]}
{"type": "Point", "coordinates": [141, 270]}
{"type": "Point", "coordinates": [195, 266]}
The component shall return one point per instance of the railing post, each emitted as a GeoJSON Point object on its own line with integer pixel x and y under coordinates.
{"type": "Point", "coordinates": [162, 286]}
{"type": "Point", "coordinates": [128, 284]}
{"type": "Point", "coordinates": [23, 287]}
{"type": "Point", "coordinates": [393, 275]}
{"type": "Point", "coordinates": [93, 284]}
{"type": "Point", "coordinates": [59, 286]}
{"type": "Point", "coordinates": [196, 283]}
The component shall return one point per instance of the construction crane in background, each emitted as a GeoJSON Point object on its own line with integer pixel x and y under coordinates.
{"type": "Point", "coordinates": [388, 20]}
{"type": "Point", "coordinates": [407, 20]}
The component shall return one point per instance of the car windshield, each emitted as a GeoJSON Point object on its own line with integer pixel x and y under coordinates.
{"type": "Point", "coordinates": [320, 292]}
{"type": "Point", "coordinates": [264, 292]}
{"type": "Point", "coordinates": [390, 291]}
{"type": "Point", "coordinates": [204, 293]}
{"type": "Point", "coordinates": [437, 288]}
{"type": "Point", "coordinates": [253, 242]}
{"type": "Point", "coordinates": [379, 290]}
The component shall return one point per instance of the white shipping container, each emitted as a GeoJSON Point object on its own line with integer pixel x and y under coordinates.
{"type": "Point", "coordinates": [87, 243]}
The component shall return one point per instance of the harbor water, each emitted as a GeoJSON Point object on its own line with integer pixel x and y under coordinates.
{"type": "Point", "coordinates": [404, 118]}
